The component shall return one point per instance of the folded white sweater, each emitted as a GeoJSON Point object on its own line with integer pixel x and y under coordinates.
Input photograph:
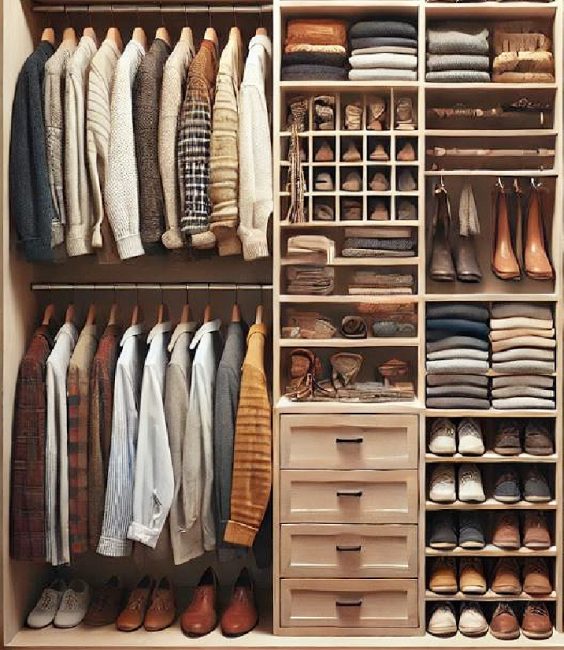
{"type": "Point", "coordinates": [384, 60]}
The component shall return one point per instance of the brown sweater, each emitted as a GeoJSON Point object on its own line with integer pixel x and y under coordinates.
{"type": "Point", "coordinates": [146, 102]}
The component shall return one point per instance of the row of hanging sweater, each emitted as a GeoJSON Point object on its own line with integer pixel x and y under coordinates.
{"type": "Point", "coordinates": [142, 151]}
{"type": "Point", "coordinates": [165, 441]}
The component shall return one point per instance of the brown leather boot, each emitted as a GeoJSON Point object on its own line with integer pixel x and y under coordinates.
{"type": "Point", "coordinates": [200, 617]}
{"type": "Point", "coordinates": [442, 265]}
{"type": "Point", "coordinates": [537, 262]}
{"type": "Point", "coordinates": [241, 615]}
{"type": "Point", "coordinates": [504, 261]}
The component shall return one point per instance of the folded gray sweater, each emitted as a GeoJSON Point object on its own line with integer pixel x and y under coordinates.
{"type": "Point", "coordinates": [458, 38]}
{"type": "Point", "coordinates": [458, 76]}
{"type": "Point", "coordinates": [383, 74]}
{"type": "Point", "coordinates": [458, 366]}
{"type": "Point", "coordinates": [385, 49]}
{"type": "Point", "coordinates": [457, 403]}
{"type": "Point", "coordinates": [524, 403]}
{"type": "Point", "coordinates": [524, 354]}
{"type": "Point", "coordinates": [458, 390]}
{"type": "Point", "coordinates": [467, 380]}
{"type": "Point", "coordinates": [458, 353]}
{"type": "Point", "coordinates": [522, 391]}
{"type": "Point", "coordinates": [538, 381]}
{"type": "Point", "coordinates": [384, 60]}
{"type": "Point", "coordinates": [524, 367]}
{"type": "Point", "coordinates": [367, 28]}
{"type": "Point", "coordinates": [528, 309]}
{"type": "Point", "coordinates": [457, 342]}
{"type": "Point", "coordinates": [458, 62]}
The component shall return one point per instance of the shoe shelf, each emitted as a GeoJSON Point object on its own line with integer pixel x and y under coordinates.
{"type": "Point", "coordinates": [394, 223]}
{"type": "Point", "coordinates": [490, 551]}
{"type": "Point", "coordinates": [490, 413]}
{"type": "Point", "coordinates": [364, 261]}
{"type": "Point", "coordinates": [490, 457]}
{"type": "Point", "coordinates": [492, 172]}
{"type": "Point", "coordinates": [488, 596]}
{"type": "Point", "coordinates": [346, 85]}
{"type": "Point", "coordinates": [491, 504]}
{"type": "Point", "coordinates": [370, 342]}
{"type": "Point", "coordinates": [488, 133]}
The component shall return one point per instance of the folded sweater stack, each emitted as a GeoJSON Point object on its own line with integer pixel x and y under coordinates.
{"type": "Point", "coordinates": [310, 280]}
{"type": "Point", "coordinates": [457, 356]}
{"type": "Point", "coordinates": [383, 49]}
{"type": "Point", "coordinates": [315, 50]}
{"type": "Point", "coordinates": [523, 355]}
{"type": "Point", "coordinates": [522, 54]}
{"type": "Point", "coordinates": [458, 52]}
{"type": "Point", "coordinates": [379, 242]}
{"type": "Point", "coordinates": [375, 283]}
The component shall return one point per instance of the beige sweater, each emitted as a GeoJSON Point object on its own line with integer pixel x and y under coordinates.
{"type": "Point", "coordinates": [77, 190]}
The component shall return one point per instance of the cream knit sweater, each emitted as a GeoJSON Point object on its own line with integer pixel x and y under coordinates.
{"type": "Point", "coordinates": [255, 151]}
{"type": "Point", "coordinates": [77, 190]}
{"type": "Point", "coordinates": [122, 193]}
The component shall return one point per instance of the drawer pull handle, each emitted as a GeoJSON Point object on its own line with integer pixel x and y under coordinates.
{"type": "Point", "coordinates": [349, 441]}
{"type": "Point", "coordinates": [349, 493]}
{"type": "Point", "coordinates": [349, 549]}
{"type": "Point", "coordinates": [349, 603]}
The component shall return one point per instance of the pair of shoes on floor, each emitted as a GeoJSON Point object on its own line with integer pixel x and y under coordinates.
{"type": "Point", "coordinates": [149, 605]}
{"type": "Point", "coordinates": [445, 434]}
{"type": "Point", "coordinates": [443, 484]}
{"type": "Point", "coordinates": [534, 488]}
{"type": "Point", "coordinates": [449, 530]}
{"type": "Point", "coordinates": [506, 578]}
{"type": "Point", "coordinates": [534, 438]}
{"type": "Point", "coordinates": [471, 621]}
{"type": "Point", "coordinates": [470, 579]}
{"type": "Point", "coordinates": [239, 617]}
{"type": "Point", "coordinates": [61, 605]}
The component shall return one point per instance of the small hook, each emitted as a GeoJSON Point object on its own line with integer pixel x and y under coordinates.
{"type": "Point", "coordinates": [499, 184]}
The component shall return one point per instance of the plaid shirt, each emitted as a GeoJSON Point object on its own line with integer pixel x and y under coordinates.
{"type": "Point", "coordinates": [27, 530]}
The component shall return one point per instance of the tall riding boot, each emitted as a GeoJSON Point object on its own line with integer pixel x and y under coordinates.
{"type": "Point", "coordinates": [442, 265]}
{"type": "Point", "coordinates": [504, 261]}
{"type": "Point", "coordinates": [537, 262]}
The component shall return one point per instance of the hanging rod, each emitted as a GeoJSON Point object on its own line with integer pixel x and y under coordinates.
{"type": "Point", "coordinates": [154, 8]}
{"type": "Point", "coordinates": [148, 286]}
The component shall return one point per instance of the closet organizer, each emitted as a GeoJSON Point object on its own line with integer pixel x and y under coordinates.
{"type": "Point", "coordinates": [413, 299]}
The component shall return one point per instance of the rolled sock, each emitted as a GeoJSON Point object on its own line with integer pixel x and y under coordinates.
{"type": "Point", "coordinates": [524, 342]}
{"type": "Point", "coordinates": [457, 342]}
{"type": "Point", "coordinates": [458, 390]}
{"type": "Point", "coordinates": [458, 353]}
{"type": "Point", "coordinates": [518, 309]}
{"type": "Point", "coordinates": [524, 354]}
{"type": "Point", "coordinates": [447, 380]}
{"type": "Point", "coordinates": [521, 321]}
{"type": "Point", "coordinates": [464, 311]}
{"type": "Point", "coordinates": [522, 391]}
{"type": "Point", "coordinates": [523, 403]}
{"type": "Point", "coordinates": [457, 403]}
{"type": "Point", "coordinates": [539, 381]}
{"type": "Point", "coordinates": [460, 366]}
{"type": "Point", "coordinates": [502, 335]}
{"type": "Point", "coordinates": [524, 367]}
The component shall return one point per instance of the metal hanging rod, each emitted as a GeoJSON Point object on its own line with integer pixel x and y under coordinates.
{"type": "Point", "coordinates": [153, 9]}
{"type": "Point", "coordinates": [147, 286]}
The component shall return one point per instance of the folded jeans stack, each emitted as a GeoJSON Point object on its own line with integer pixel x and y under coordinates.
{"type": "Point", "coordinates": [375, 283]}
{"type": "Point", "coordinates": [390, 319]}
{"type": "Point", "coordinates": [457, 356]}
{"type": "Point", "coordinates": [315, 50]}
{"type": "Point", "coordinates": [458, 52]}
{"type": "Point", "coordinates": [383, 49]}
{"type": "Point", "coordinates": [379, 242]}
{"type": "Point", "coordinates": [523, 355]}
{"type": "Point", "coordinates": [310, 280]}
{"type": "Point", "coordinates": [522, 54]}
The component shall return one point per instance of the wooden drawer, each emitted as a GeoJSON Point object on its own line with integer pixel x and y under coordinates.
{"type": "Point", "coordinates": [349, 441]}
{"type": "Point", "coordinates": [345, 551]}
{"type": "Point", "coordinates": [354, 497]}
{"type": "Point", "coordinates": [349, 603]}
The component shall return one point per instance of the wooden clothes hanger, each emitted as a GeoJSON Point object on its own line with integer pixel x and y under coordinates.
{"type": "Point", "coordinates": [91, 315]}
{"type": "Point", "coordinates": [112, 318]}
{"type": "Point", "coordinates": [259, 315]}
{"type": "Point", "coordinates": [261, 31]}
{"type": "Point", "coordinates": [207, 313]}
{"type": "Point", "coordinates": [48, 35]}
{"type": "Point", "coordinates": [48, 314]}
{"type": "Point", "coordinates": [210, 34]}
{"type": "Point", "coordinates": [69, 314]}
{"type": "Point", "coordinates": [185, 315]}
{"type": "Point", "coordinates": [69, 35]}
{"type": "Point", "coordinates": [136, 315]}
{"type": "Point", "coordinates": [162, 314]}
{"type": "Point", "coordinates": [113, 34]}
{"type": "Point", "coordinates": [89, 31]}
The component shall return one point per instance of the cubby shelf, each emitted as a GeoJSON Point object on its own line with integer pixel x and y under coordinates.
{"type": "Point", "coordinates": [491, 504]}
{"type": "Point", "coordinates": [390, 223]}
{"type": "Point", "coordinates": [489, 596]}
{"type": "Point", "coordinates": [491, 457]}
{"type": "Point", "coordinates": [490, 551]}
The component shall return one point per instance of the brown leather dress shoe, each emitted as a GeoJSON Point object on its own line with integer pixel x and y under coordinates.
{"type": "Point", "coordinates": [200, 617]}
{"type": "Point", "coordinates": [536, 578]}
{"type": "Point", "coordinates": [504, 624]}
{"type": "Point", "coordinates": [536, 534]}
{"type": "Point", "coordinates": [536, 621]}
{"type": "Point", "coordinates": [106, 604]}
{"type": "Point", "coordinates": [162, 610]}
{"type": "Point", "coordinates": [506, 579]}
{"type": "Point", "coordinates": [241, 615]}
{"type": "Point", "coordinates": [133, 615]}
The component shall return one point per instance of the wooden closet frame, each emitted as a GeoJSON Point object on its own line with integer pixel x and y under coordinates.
{"type": "Point", "coordinates": [21, 28]}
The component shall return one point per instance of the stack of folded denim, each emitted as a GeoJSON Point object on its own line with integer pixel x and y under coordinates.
{"type": "Point", "coordinates": [383, 49]}
{"type": "Point", "coordinates": [389, 319]}
{"type": "Point", "coordinates": [458, 52]}
{"type": "Point", "coordinates": [310, 280]}
{"type": "Point", "coordinates": [457, 356]}
{"type": "Point", "coordinates": [315, 50]}
{"type": "Point", "coordinates": [375, 283]}
{"type": "Point", "coordinates": [523, 356]}
{"type": "Point", "coordinates": [379, 242]}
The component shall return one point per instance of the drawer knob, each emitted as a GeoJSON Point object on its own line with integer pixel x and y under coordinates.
{"type": "Point", "coordinates": [349, 493]}
{"type": "Point", "coordinates": [349, 549]}
{"type": "Point", "coordinates": [349, 603]}
{"type": "Point", "coordinates": [349, 441]}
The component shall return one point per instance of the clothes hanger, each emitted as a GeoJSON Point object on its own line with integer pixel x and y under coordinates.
{"type": "Point", "coordinates": [162, 311]}
{"type": "Point", "coordinates": [112, 318]}
{"type": "Point", "coordinates": [185, 315]}
{"type": "Point", "coordinates": [261, 31]}
{"type": "Point", "coordinates": [139, 35]}
{"type": "Point", "coordinates": [91, 315]}
{"type": "Point", "coordinates": [210, 34]}
{"type": "Point", "coordinates": [186, 33]}
{"type": "Point", "coordinates": [113, 33]}
{"type": "Point", "coordinates": [259, 315]}
{"type": "Point", "coordinates": [235, 32]}
{"type": "Point", "coordinates": [48, 314]}
{"type": "Point", "coordinates": [69, 33]}
{"type": "Point", "coordinates": [136, 315]}
{"type": "Point", "coordinates": [48, 35]}
{"type": "Point", "coordinates": [236, 310]}
{"type": "Point", "coordinates": [162, 31]}
{"type": "Point", "coordinates": [207, 310]}
{"type": "Point", "coordinates": [69, 314]}
{"type": "Point", "coordinates": [89, 29]}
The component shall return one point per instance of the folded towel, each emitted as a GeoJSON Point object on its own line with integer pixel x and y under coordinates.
{"type": "Point", "coordinates": [524, 342]}
{"type": "Point", "coordinates": [384, 60]}
{"type": "Point", "coordinates": [525, 354]}
{"type": "Point", "coordinates": [457, 342]}
{"type": "Point", "coordinates": [367, 28]}
{"type": "Point", "coordinates": [458, 326]}
{"type": "Point", "coordinates": [458, 366]}
{"type": "Point", "coordinates": [466, 380]}
{"type": "Point", "coordinates": [521, 321]}
{"type": "Point", "coordinates": [457, 390]}
{"type": "Point", "coordinates": [383, 74]}
{"type": "Point", "coordinates": [516, 309]}
{"type": "Point", "coordinates": [314, 58]}
{"type": "Point", "coordinates": [522, 391]}
{"type": "Point", "coordinates": [377, 41]}
{"type": "Point", "coordinates": [524, 403]}
{"type": "Point", "coordinates": [457, 403]}
{"type": "Point", "coordinates": [503, 335]}
{"type": "Point", "coordinates": [458, 62]}
{"type": "Point", "coordinates": [467, 311]}
{"type": "Point", "coordinates": [523, 367]}
{"type": "Point", "coordinates": [458, 39]}
{"type": "Point", "coordinates": [385, 49]}
{"type": "Point", "coordinates": [458, 76]}
{"type": "Point", "coordinates": [458, 353]}
{"type": "Point", "coordinates": [538, 381]}
{"type": "Point", "coordinates": [313, 73]}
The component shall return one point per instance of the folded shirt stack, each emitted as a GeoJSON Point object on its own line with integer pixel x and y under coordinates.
{"type": "Point", "coordinates": [311, 249]}
{"type": "Point", "coordinates": [457, 356]}
{"type": "Point", "coordinates": [458, 52]}
{"type": "Point", "coordinates": [389, 319]}
{"type": "Point", "coordinates": [522, 54]}
{"type": "Point", "coordinates": [315, 50]}
{"type": "Point", "coordinates": [375, 283]}
{"type": "Point", "coordinates": [523, 356]}
{"type": "Point", "coordinates": [383, 49]}
{"type": "Point", "coordinates": [379, 242]}
{"type": "Point", "coordinates": [310, 280]}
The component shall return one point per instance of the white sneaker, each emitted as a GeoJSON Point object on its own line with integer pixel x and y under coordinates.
{"type": "Point", "coordinates": [443, 489]}
{"type": "Point", "coordinates": [442, 439]}
{"type": "Point", "coordinates": [472, 621]}
{"type": "Point", "coordinates": [74, 604]}
{"type": "Point", "coordinates": [44, 611]}
{"type": "Point", "coordinates": [470, 486]}
{"type": "Point", "coordinates": [442, 621]}
{"type": "Point", "coordinates": [470, 438]}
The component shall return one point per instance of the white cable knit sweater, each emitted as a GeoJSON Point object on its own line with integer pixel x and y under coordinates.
{"type": "Point", "coordinates": [122, 193]}
{"type": "Point", "coordinates": [255, 151]}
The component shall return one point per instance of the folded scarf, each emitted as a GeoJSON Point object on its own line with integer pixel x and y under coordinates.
{"type": "Point", "coordinates": [367, 28]}
{"type": "Point", "coordinates": [521, 321]}
{"type": "Point", "coordinates": [458, 366]}
{"type": "Point", "coordinates": [538, 381]}
{"type": "Point", "coordinates": [522, 391]}
{"type": "Point", "coordinates": [467, 311]}
{"type": "Point", "coordinates": [458, 39]}
{"type": "Point", "coordinates": [528, 309]}
{"type": "Point", "coordinates": [466, 380]}
{"type": "Point", "coordinates": [524, 342]}
{"type": "Point", "coordinates": [385, 49]}
{"type": "Point", "coordinates": [458, 76]}
{"type": "Point", "coordinates": [458, 353]}
{"type": "Point", "coordinates": [503, 335]}
{"type": "Point", "coordinates": [398, 244]}
{"type": "Point", "coordinates": [309, 47]}
{"type": "Point", "coordinates": [457, 342]}
{"type": "Point", "coordinates": [457, 390]}
{"type": "Point", "coordinates": [524, 403]}
{"type": "Point", "coordinates": [313, 73]}
{"type": "Point", "coordinates": [457, 403]}
{"type": "Point", "coordinates": [378, 41]}
{"type": "Point", "coordinates": [523, 367]}
{"type": "Point", "coordinates": [458, 62]}
{"type": "Point", "coordinates": [383, 74]}
{"type": "Point", "coordinates": [525, 354]}
{"type": "Point", "coordinates": [458, 326]}
{"type": "Point", "coordinates": [314, 58]}
{"type": "Point", "coordinates": [384, 60]}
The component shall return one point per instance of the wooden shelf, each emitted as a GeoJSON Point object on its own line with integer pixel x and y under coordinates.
{"type": "Point", "coordinates": [337, 299]}
{"type": "Point", "coordinates": [286, 405]}
{"type": "Point", "coordinates": [345, 86]}
{"type": "Point", "coordinates": [489, 133]}
{"type": "Point", "coordinates": [490, 551]}
{"type": "Point", "coordinates": [491, 297]}
{"type": "Point", "coordinates": [493, 172]}
{"type": "Point", "coordinates": [390, 223]}
{"type": "Point", "coordinates": [488, 86]}
{"type": "Point", "coordinates": [358, 261]}
{"type": "Point", "coordinates": [491, 504]}
{"type": "Point", "coordinates": [370, 342]}
{"type": "Point", "coordinates": [490, 413]}
{"type": "Point", "coordinates": [490, 457]}
{"type": "Point", "coordinates": [489, 596]}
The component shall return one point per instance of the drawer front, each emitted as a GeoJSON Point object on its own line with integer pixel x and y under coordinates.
{"type": "Point", "coordinates": [345, 551]}
{"type": "Point", "coordinates": [354, 497]}
{"type": "Point", "coordinates": [349, 441]}
{"type": "Point", "coordinates": [349, 603]}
